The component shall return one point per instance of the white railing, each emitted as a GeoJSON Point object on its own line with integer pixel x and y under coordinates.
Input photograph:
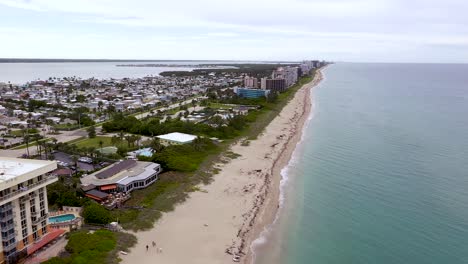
{"type": "Point", "coordinates": [25, 190]}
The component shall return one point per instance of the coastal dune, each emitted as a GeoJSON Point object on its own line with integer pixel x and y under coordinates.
{"type": "Point", "coordinates": [227, 215]}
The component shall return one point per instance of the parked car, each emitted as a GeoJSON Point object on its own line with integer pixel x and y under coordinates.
{"type": "Point", "coordinates": [85, 160]}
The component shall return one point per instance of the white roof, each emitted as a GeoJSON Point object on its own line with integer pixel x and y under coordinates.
{"type": "Point", "coordinates": [11, 168]}
{"type": "Point", "coordinates": [178, 137]}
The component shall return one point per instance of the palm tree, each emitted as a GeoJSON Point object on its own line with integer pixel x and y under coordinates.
{"type": "Point", "coordinates": [137, 139]}
{"type": "Point", "coordinates": [26, 139]}
{"type": "Point", "coordinates": [156, 145]}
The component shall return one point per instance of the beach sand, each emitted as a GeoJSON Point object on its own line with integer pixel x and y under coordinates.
{"type": "Point", "coordinates": [231, 212]}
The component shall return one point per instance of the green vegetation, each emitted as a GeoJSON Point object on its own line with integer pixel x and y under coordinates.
{"type": "Point", "coordinates": [98, 247]}
{"type": "Point", "coordinates": [95, 142]}
{"type": "Point", "coordinates": [94, 213]}
{"type": "Point", "coordinates": [20, 133]}
{"type": "Point", "coordinates": [91, 132]}
{"type": "Point", "coordinates": [186, 157]}
{"type": "Point", "coordinates": [219, 106]}
{"type": "Point", "coordinates": [31, 144]}
{"type": "Point", "coordinates": [60, 194]}
{"type": "Point", "coordinates": [250, 68]}
{"type": "Point", "coordinates": [66, 126]}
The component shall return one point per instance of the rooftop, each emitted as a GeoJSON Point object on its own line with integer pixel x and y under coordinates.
{"type": "Point", "coordinates": [11, 168]}
{"type": "Point", "coordinates": [178, 137]}
{"type": "Point", "coordinates": [118, 173]}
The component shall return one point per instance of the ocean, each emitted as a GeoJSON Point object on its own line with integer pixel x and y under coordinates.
{"type": "Point", "coordinates": [381, 175]}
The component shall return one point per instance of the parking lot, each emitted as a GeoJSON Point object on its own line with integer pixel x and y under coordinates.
{"type": "Point", "coordinates": [66, 158]}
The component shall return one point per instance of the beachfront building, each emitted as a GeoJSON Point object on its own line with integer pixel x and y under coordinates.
{"type": "Point", "coordinates": [176, 138]}
{"type": "Point", "coordinates": [251, 93]}
{"type": "Point", "coordinates": [124, 176]}
{"type": "Point", "coordinates": [276, 85]}
{"type": "Point", "coordinates": [23, 207]}
{"type": "Point", "coordinates": [289, 74]}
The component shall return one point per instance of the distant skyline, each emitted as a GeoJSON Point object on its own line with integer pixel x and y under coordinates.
{"type": "Point", "coordinates": [335, 30]}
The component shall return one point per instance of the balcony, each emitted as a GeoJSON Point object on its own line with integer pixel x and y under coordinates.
{"type": "Point", "coordinates": [39, 219]}
{"type": "Point", "coordinates": [15, 194]}
{"type": "Point", "coordinates": [8, 237]}
{"type": "Point", "coordinates": [9, 247]}
{"type": "Point", "coordinates": [6, 208]}
{"type": "Point", "coordinates": [5, 218]}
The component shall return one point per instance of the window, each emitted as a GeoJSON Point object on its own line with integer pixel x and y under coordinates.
{"type": "Point", "coordinates": [39, 178]}
{"type": "Point", "coordinates": [31, 181]}
{"type": "Point", "coordinates": [44, 230]}
{"type": "Point", "coordinates": [24, 232]}
{"type": "Point", "coordinates": [25, 241]}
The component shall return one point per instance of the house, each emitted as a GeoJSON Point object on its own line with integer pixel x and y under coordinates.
{"type": "Point", "coordinates": [123, 176]}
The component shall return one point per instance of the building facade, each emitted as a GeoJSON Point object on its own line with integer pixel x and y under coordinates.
{"type": "Point", "coordinates": [289, 74]}
{"type": "Point", "coordinates": [251, 82]}
{"type": "Point", "coordinates": [276, 85]}
{"type": "Point", "coordinates": [251, 93]}
{"type": "Point", "coordinates": [124, 176]}
{"type": "Point", "coordinates": [23, 205]}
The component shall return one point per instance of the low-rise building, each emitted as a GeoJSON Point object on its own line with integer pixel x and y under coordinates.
{"type": "Point", "coordinates": [176, 138]}
{"type": "Point", "coordinates": [123, 176]}
{"type": "Point", "coordinates": [251, 93]}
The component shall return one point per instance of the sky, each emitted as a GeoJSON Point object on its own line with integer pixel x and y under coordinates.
{"type": "Point", "coordinates": [333, 30]}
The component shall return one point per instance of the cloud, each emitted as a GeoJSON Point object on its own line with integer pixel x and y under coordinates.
{"type": "Point", "coordinates": [334, 29]}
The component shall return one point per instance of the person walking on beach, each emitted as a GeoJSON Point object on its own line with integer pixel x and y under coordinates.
{"type": "Point", "coordinates": [154, 244]}
{"type": "Point", "coordinates": [147, 247]}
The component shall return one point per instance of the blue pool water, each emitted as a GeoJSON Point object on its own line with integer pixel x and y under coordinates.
{"type": "Point", "coordinates": [145, 152]}
{"type": "Point", "coordinates": [61, 218]}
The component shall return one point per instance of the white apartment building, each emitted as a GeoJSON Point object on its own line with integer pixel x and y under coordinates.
{"type": "Point", "coordinates": [289, 74]}
{"type": "Point", "coordinates": [23, 205]}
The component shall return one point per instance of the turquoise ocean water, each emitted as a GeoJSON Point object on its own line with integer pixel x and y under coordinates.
{"type": "Point", "coordinates": [381, 175]}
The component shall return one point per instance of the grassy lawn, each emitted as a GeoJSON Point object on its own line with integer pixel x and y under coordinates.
{"type": "Point", "coordinates": [31, 144]}
{"type": "Point", "coordinates": [19, 133]}
{"type": "Point", "coordinates": [219, 106]}
{"type": "Point", "coordinates": [102, 246]}
{"type": "Point", "coordinates": [66, 126]}
{"type": "Point", "coordinates": [94, 142]}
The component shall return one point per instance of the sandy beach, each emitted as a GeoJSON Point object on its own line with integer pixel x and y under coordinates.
{"type": "Point", "coordinates": [227, 215]}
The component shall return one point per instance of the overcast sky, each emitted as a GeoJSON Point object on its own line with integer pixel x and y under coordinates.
{"type": "Point", "coordinates": [338, 30]}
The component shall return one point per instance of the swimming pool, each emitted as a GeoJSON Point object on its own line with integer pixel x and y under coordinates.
{"type": "Point", "coordinates": [61, 218]}
{"type": "Point", "coordinates": [147, 152]}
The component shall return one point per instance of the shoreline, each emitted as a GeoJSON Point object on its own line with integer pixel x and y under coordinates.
{"type": "Point", "coordinates": [226, 216]}
{"type": "Point", "coordinates": [272, 206]}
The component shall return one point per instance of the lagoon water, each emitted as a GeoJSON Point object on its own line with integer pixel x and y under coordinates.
{"type": "Point", "coordinates": [381, 175]}
{"type": "Point", "coordinates": [19, 73]}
